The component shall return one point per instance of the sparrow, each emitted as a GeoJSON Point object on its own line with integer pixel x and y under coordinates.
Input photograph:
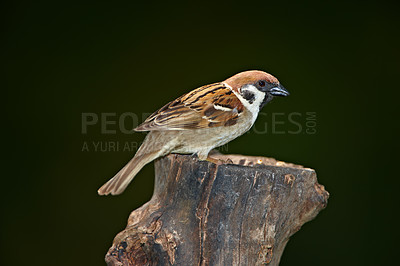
{"type": "Point", "coordinates": [199, 121]}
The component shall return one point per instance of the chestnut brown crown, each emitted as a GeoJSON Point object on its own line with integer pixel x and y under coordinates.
{"type": "Point", "coordinates": [250, 77]}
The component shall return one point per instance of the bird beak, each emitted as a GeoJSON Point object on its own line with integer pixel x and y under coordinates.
{"type": "Point", "coordinates": [279, 91]}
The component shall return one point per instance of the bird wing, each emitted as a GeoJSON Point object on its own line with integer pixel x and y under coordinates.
{"type": "Point", "coordinates": [212, 105]}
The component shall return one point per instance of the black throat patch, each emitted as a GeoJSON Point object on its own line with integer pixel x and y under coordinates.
{"type": "Point", "coordinates": [267, 99]}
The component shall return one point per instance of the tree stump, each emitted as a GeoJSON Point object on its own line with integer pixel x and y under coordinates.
{"type": "Point", "coordinates": [240, 213]}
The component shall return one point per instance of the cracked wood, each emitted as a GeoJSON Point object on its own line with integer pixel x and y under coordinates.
{"type": "Point", "coordinates": [231, 214]}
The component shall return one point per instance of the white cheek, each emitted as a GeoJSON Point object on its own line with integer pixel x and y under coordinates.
{"type": "Point", "coordinates": [253, 107]}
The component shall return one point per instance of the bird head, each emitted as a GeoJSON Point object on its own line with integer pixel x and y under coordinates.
{"type": "Point", "coordinates": [256, 87]}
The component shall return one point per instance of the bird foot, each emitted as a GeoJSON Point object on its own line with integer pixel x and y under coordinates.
{"type": "Point", "coordinates": [219, 161]}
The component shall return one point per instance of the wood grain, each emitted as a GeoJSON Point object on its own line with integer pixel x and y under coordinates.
{"type": "Point", "coordinates": [241, 213]}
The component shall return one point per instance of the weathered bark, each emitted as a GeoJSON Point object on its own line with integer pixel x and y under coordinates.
{"type": "Point", "coordinates": [232, 214]}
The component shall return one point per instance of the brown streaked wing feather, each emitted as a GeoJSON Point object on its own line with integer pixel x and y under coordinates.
{"type": "Point", "coordinates": [197, 110]}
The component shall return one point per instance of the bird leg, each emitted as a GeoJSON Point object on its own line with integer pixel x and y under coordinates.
{"type": "Point", "coordinates": [214, 160]}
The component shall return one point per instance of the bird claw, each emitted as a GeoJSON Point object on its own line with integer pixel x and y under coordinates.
{"type": "Point", "coordinates": [219, 161]}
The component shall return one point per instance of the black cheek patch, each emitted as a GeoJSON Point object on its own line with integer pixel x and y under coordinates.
{"type": "Point", "coordinates": [248, 96]}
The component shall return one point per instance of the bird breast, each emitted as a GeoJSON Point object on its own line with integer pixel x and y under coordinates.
{"type": "Point", "coordinates": [191, 141]}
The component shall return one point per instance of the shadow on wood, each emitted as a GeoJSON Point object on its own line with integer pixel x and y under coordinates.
{"type": "Point", "coordinates": [241, 213]}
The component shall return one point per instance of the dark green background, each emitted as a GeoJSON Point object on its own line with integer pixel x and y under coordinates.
{"type": "Point", "coordinates": [338, 59]}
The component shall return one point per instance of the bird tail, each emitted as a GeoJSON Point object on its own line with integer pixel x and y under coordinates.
{"type": "Point", "coordinates": [121, 180]}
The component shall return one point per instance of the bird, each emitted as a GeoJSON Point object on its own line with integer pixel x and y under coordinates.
{"type": "Point", "coordinates": [199, 121]}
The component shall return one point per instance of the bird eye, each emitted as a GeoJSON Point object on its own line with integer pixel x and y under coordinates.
{"type": "Point", "coordinates": [261, 83]}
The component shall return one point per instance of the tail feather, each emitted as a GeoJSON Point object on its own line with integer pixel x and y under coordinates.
{"type": "Point", "coordinates": [121, 180]}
